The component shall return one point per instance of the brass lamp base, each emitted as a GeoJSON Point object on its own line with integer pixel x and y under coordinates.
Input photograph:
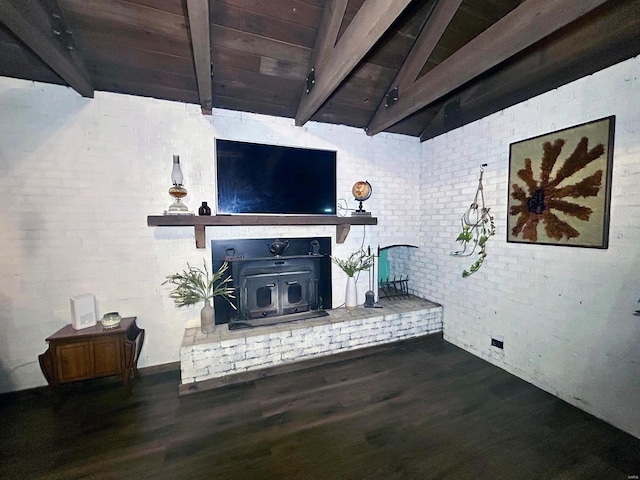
{"type": "Point", "coordinates": [177, 207]}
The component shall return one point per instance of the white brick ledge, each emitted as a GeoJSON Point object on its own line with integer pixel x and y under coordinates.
{"type": "Point", "coordinates": [226, 353]}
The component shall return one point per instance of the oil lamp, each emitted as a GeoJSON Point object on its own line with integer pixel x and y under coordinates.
{"type": "Point", "coordinates": [177, 191]}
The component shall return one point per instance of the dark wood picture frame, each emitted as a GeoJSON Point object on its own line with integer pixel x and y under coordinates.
{"type": "Point", "coordinates": [560, 186]}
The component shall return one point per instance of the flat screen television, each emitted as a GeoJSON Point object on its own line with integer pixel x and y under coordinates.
{"type": "Point", "coordinates": [254, 178]}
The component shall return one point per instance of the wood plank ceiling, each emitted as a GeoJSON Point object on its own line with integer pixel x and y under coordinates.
{"type": "Point", "coordinates": [420, 67]}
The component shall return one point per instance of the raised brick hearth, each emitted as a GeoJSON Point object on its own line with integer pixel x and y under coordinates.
{"type": "Point", "coordinates": [231, 356]}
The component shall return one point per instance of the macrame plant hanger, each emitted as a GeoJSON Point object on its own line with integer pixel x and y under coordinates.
{"type": "Point", "coordinates": [477, 227]}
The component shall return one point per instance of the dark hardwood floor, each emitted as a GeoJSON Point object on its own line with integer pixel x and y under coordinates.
{"type": "Point", "coordinates": [421, 409]}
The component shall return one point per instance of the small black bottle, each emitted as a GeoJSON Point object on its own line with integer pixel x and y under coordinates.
{"type": "Point", "coordinates": [204, 209]}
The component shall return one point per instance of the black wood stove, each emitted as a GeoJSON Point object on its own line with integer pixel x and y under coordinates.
{"type": "Point", "coordinates": [275, 280]}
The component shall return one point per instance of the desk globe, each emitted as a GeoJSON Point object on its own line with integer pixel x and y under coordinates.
{"type": "Point", "coordinates": [361, 191]}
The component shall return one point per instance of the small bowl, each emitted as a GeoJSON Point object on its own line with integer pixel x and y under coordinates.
{"type": "Point", "coordinates": [111, 320]}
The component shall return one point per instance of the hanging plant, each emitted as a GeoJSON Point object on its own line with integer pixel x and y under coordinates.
{"type": "Point", "coordinates": [475, 237]}
{"type": "Point", "coordinates": [477, 228]}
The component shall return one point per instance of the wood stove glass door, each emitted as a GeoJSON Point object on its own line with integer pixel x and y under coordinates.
{"type": "Point", "coordinates": [296, 291]}
{"type": "Point", "coordinates": [261, 298]}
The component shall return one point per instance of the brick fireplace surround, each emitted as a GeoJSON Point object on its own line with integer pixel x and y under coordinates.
{"type": "Point", "coordinates": [226, 356]}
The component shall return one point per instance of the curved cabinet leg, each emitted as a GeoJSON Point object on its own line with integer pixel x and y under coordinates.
{"type": "Point", "coordinates": [139, 342]}
{"type": "Point", "coordinates": [47, 367]}
{"type": "Point", "coordinates": [132, 347]}
{"type": "Point", "coordinates": [129, 354]}
{"type": "Point", "coordinates": [136, 336]}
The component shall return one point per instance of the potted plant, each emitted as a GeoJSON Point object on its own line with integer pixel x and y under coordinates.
{"type": "Point", "coordinates": [356, 262]}
{"type": "Point", "coordinates": [194, 285]}
{"type": "Point", "coordinates": [476, 231]}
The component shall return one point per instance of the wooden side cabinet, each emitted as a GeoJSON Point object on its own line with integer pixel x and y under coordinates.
{"type": "Point", "coordinates": [93, 352]}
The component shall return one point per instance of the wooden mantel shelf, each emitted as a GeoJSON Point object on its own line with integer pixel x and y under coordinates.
{"type": "Point", "coordinates": [343, 224]}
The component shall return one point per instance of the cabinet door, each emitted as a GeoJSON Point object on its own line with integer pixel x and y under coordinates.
{"type": "Point", "coordinates": [107, 358]}
{"type": "Point", "coordinates": [73, 361]}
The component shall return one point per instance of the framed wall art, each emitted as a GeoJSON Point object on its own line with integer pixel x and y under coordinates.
{"type": "Point", "coordinates": [560, 186]}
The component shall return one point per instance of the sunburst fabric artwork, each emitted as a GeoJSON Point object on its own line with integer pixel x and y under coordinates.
{"type": "Point", "coordinates": [560, 186]}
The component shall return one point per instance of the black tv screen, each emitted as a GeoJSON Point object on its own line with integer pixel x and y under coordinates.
{"type": "Point", "coordinates": [268, 179]}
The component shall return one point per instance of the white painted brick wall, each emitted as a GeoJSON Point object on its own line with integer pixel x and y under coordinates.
{"type": "Point", "coordinates": [565, 313]}
{"type": "Point", "coordinates": [79, 177]}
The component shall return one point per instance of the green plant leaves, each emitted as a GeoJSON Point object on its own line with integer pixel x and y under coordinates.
{"type": "Point", "coordinates": [465, 236]}
{"type": "Point", "coordinates": [194, 285]}
{"type": "Point", "coordinates": [356, 262]}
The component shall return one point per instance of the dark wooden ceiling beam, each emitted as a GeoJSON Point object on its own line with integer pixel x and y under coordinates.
{"type": "Point", "coordinates": [425, 44]}
{"type": "Point", "coordinates": [20, 17]}
{"type": "Point", "coordinates": [370, 23]}
{"type": "Point", "coordinates": [198, 11]}
{"type": "Point", "coordinates": [597, 41]}
{"type": "Point", "coordinates": [332, 17]}
{"type": "Point", "coordinates": [529, 23]}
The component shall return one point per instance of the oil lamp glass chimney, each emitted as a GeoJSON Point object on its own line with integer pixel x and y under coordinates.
{"type": "Point", "coordinates": [176, 172]}
{"type": "Point", "coordinates": [177, 191]}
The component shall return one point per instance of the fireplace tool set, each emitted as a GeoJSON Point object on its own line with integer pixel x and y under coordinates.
{"type": "Point", "coordinates": [370, 295]}
{"type": "Point", "coordinates": [381, 284]}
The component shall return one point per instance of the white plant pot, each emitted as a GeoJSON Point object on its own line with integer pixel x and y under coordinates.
{"type": "Point", "coordinates": [351, 294]}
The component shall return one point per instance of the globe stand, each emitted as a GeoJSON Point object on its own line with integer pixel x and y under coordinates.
{"type": "Point", "coordinates": [360, 212]}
